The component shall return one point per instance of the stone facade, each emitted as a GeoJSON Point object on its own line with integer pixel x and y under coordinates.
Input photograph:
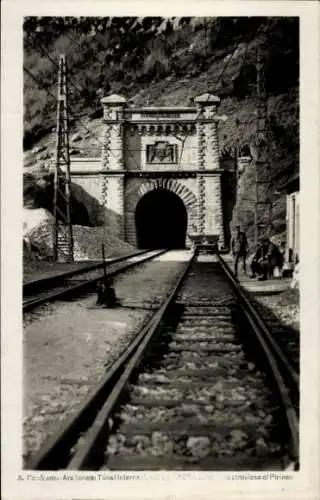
{"type": "Point", "coordinates": [186, 189]}
{"type": "Point", "coordinates": [145, 149]}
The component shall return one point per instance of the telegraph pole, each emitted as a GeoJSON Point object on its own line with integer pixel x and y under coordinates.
{"type": "Point", "coordinates": [62, 226]}
{"type": "Point", "coordinates": [263, 206]}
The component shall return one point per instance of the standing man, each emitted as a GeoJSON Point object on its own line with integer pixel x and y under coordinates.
{"type": "Point", "coordinates": [239, 248]}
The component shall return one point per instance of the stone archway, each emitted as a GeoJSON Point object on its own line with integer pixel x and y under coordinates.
{"type": "Point", "coordinates": [186, 195]}
{"type": "Point", "coordinates": [142, 151]}
{"type": "Point", "coordinates": [161, 220]}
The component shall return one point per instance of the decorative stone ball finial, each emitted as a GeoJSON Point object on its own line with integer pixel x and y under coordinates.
{"type": "Point", "coordinates": [113, 106]}
{"type": "Point", "coordinates": [114, 100]}
{"type": "Point", "coordinates": [207, 100]}
{"type": "Point", "coordinates": [207, 104]}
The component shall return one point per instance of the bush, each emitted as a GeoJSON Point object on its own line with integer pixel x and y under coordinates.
{"type": "Point", "coordinates": [116, 53]}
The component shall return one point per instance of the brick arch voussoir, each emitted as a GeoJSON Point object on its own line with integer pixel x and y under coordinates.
{"type": "Point", "coordinates": [145, 188]}
{"type": "Point", "coordinates": [187, 196]}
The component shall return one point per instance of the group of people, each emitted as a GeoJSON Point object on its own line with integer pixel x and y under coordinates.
{"type": "Point", "coordinates": [267, 258]}
{"type": "Point", "coordinates": [267, 261]}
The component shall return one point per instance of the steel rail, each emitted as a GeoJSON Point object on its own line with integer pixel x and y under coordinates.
{"type": "Point", "coordinates": [102, 422]}
{"type": "Point", "coordinates": [271, 351]}
{"type": "Point", "coordinates": [95, 420]}
{"type": "Point", "coordinates": [31, 286]}
{"type": "Point", "coordinates": [78, 288]}
{"type": "Point", "coordinates": [55, 452]}
{"type": "Point", "coordinates": [90, 453]}
{"type": "Point", "coordinates": [277, 351]}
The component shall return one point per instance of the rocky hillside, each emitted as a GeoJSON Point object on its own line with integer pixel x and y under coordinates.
{"type": "Point", "coordinates": [164, 61]}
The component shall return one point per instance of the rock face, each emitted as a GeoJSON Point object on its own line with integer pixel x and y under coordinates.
{"type": "Point", "coordinates": [37, 231]}
{"type": "Point", "coordinates": [76, 137]}
{"type": "Point", "coordinates": [167, 61]}
{"type": "Point", "coordinates": [35, 218]}
{"type": "Point", "coordinates": [37, 227]}
{"type": "Point", "coordinates": [37, 234]}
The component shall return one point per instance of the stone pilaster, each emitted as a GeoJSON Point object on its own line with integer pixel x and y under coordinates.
{"type": "Point", "coordinates": [112, 155]}
{"type": "Point", "coordinates": [210, 215]}
{"type": "Point", "coordinates": [112, 149]}
{"type": "Point", "coordinates": [218, 209]}
{"type": "Point", "coordinates": [114, 205]}
{"type": "Point", "coordinates": [213, 146]}
{"type": "Point", "coordinates": [103, 198]}
{"type": "Point", "coordinates": [201, 205]}
{"type": "Point", "coordinates": [210, 211]}
{"type": "Point", "coordinates": [207, 106]}
{"type": "Point", "coordinates": [201, 146]}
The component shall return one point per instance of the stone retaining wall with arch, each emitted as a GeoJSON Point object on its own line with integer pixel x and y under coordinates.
{"type": "Point", "coordinates": [146, 149]}
{"type": "Point", "coordinates": [137, 188]}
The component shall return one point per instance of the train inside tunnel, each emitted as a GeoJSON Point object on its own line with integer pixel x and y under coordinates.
{"type": "Point", "coordinates": [161, 220]}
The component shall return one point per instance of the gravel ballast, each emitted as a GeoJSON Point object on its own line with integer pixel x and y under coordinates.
{"type": "Point", "coordinates": [68, 345]}
{"type": "Point", "coordinates": [64, 356]}
{"type": "Point", "coordinates": [174, 414]}
{"type": "Point", "coordinates": [285, 306]}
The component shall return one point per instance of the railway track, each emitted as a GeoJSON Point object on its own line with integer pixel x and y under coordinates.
{"type": "Point", "coordinates": [199, 388]}
{"type": "Point", "coordinates": [79, 281]}
{"type": "Point", "coordinates": [287, 337]}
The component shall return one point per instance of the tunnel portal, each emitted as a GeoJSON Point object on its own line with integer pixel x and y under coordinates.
{"type": "Point", "coordinates": [161, 220]}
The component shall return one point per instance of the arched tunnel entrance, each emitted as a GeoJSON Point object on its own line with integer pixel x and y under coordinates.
{"type": "Point", "coordinates": [161, 220]}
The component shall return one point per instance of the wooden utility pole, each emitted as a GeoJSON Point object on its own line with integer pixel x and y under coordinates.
{"type": "Point", "coordinates": [263, 206]}
{"type": "Point", "coordinates": [62, 226]}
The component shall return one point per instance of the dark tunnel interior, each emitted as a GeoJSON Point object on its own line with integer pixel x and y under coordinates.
{"type": "Point", "coordinates": [161, 220]}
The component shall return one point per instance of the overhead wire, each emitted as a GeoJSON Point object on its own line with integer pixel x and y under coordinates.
{"type": "Point", "coordinates": [79, 87]}
{"type": "Point", "coordinates": [221, 75]}
{"type": "Point", "coordinates": [35, 79]}
{"type": "Point", "coordinates": [81, 124]}
{"type": "Point", "coordinates": [199, 112]}
{"type": "Point", "coordinates": [38, 47]}
{"type": "Point", "coordinates": [183, 141]}
{"type": "Point", "coordinates": [237, 121]}
{"type": "Point", "coordinates": [161, 36]}
{"type": "Point", "coordinates": [36, 44]}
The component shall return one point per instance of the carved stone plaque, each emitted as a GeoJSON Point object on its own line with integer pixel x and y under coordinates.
{"type": "Point", "coordinates": [162, 152]}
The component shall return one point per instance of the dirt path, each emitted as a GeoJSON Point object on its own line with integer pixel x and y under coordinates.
{"type": "Point", "coordinates": [67, 345]}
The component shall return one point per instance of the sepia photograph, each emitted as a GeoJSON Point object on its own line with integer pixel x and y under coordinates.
{"type": "Point", "coordinates": [160, 250]}
{"type": "Point", "coordinates": [161, 243]}
{"type": "Point", "coordinates": [160, 191]}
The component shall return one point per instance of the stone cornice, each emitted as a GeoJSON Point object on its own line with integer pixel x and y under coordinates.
{"type": "Point", "coordinates": [161, 109]}
{"type": "Point", "coordinates": [83, 159]}
{"type": "Point", "coordinates": [148, 173]}
{"type": "Point", "coordinates": [145, 121]}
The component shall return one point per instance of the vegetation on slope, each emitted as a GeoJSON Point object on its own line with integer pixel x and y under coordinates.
{"type": "Point", "coordinates": [126, 55]}
{"type": "Point", "coordinates": [166, 61]}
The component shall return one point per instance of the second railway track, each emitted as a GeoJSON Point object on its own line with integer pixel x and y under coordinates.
{"type": "Point", "coordinates": [75, 282]}
{"type": "Point", "coordinates": [200, 388]}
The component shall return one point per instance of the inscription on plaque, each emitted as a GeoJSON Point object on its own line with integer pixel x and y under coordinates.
{"type": "Point", "coordinates": [161, 115]}
{"type": "Point", "coordinates": [162, 152]}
